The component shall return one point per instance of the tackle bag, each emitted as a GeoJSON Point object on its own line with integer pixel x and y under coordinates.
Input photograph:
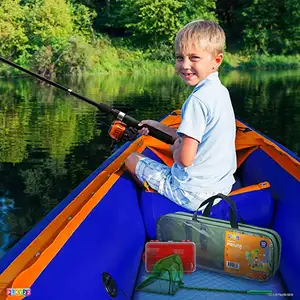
{"type": "Point", "coordinates": [224, 246]}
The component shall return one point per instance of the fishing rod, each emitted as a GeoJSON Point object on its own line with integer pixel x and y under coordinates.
{"type": "Point", "coordinates": [118, 128]}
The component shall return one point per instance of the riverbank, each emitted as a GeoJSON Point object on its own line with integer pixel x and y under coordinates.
{"type": "Point", "coordinates": [81, 57]}
{"type": "Point", "coordinates": [261, 62]}
{"type": "Point", "coordinates": [106, 56]}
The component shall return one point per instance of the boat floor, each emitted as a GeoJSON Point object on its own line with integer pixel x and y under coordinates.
{"type": "Point", "coordinates": [208, 279]}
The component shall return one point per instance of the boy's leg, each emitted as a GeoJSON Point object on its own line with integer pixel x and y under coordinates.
{"type": "Point", "coordinates": [131, 162]}
{"type": "Point", "coordinates": [147, 172]}
{"type": "Point", "coordinates": [159, 178]}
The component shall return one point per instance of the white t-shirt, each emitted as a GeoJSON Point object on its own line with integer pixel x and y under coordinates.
{"type": "Point", "coordinates": [207, 116]}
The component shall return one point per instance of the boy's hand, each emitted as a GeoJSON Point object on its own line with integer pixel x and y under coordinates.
{"type": "Point", "coordinates": [155, 124]}
{"type": "Point", "coordinates": [145, 130]}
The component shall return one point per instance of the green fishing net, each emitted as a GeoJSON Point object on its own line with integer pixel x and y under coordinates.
{"type": "Point", "coordinates": [167, 278]}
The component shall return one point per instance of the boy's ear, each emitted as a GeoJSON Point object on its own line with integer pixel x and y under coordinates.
{"type": "Point", "coordinates": [219, 59]}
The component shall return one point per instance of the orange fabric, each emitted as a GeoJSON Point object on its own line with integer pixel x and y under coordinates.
{"type": "Point", "coordinates": [160, 149]}
{"type": "Point", "coordinates": [252, 139]}
{"type": "Point", "coordinates": [250, 188]}
{"type": "Point", "coordinates": [242, 154]}
{"type": "Point", "coordinates": [24, 270]}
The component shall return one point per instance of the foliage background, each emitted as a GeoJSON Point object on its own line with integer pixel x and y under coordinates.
{"type": "Point", "coordinates": [64, 36]}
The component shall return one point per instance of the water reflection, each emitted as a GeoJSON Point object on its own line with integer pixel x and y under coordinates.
{"type": "Point", "coordinates": [51, 141]}
{"type": "Point", "coordinates": [270, 102]}
{"type": "Point", "coordinates": [6, 207]}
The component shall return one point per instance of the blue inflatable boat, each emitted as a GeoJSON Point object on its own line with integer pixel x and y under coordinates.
{"type": "Point", "coordinates": [91, 245]}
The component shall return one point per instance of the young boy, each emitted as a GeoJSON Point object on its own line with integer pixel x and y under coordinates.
{"type": "Point", "coordinates": [204, 151]}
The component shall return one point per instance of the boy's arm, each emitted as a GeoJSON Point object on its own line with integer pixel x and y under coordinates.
{"type": "Point", "coordinates": [184, 150]}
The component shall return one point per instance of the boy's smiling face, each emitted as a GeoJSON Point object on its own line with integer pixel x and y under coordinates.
{"type": "Point", "coordinates": [196, 64]}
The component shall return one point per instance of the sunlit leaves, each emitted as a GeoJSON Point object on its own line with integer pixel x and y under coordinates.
{"type": "Point", "coordinates": [13, 39]}
{"type": "Point", "coordinates": [160, 20]}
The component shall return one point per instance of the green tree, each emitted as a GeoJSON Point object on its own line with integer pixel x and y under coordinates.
{"type": "Point", "coordinates": [83, 18]}
{"type": "Point", "coordinates": [229, 14]}
{"type": "Point", "coordinates": [48, 22]}
{"type": "Point", "coordinates": [262, 26]}
{"type": "Point", "coordinates": [291, 27]}
{"type": "Point", "coordinates": [272, 26]}
{"type": "Point", "coordinates": [155, 19]}
{"type": "Point", "coordinates": [160, 20]}
{"type": "Point", "coordinates": [49, 26]}
{"type": "Point", "coordinates": [13, 39]}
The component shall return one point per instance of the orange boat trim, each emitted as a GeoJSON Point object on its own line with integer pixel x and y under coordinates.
{"type": "Point", "coordinates": [251, 188]}
{"type": "Point", "coordinates": [24, 270]}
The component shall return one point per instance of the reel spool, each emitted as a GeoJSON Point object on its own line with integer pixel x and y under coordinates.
{"type": "Point", "coordinates": [117, 130]}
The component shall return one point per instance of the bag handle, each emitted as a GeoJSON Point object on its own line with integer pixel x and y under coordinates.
{"type": "Point", "coordinates": [232, 204]}
{"type": "Point", "coordinates": [233, 210]}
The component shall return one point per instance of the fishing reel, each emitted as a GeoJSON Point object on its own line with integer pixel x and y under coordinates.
{"type": "Point", "coordinates": [119, 131]}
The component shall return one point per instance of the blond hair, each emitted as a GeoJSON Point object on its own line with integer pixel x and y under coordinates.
{"type": "Point", "coordinates": [206, 35]}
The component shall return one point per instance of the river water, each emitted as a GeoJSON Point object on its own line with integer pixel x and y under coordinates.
{"type": "Point", "coordinates": [51, 141]}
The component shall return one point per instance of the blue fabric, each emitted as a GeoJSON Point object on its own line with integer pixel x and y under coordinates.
{"type": "Point", "coordinates": [256, 208]}
{"type": "Point", "coordinates": [110, 239]}
{"type": "Point", "coordinates": [285, 191]}
{"type": "Point", "coordinates": [207, 116]}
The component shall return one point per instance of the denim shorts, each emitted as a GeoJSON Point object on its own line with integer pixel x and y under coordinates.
{"type": "Point", "coordinates": [158, 176]}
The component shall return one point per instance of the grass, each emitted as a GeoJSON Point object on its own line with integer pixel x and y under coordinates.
{"type": "Point", "coordinates": [105, 56]}
{"type": "Point", "coordinates": [272, 62]}
{"type": "Point", "coordinates": [260, 62]}
{"type": "Point", "coordinates": [80, 57]}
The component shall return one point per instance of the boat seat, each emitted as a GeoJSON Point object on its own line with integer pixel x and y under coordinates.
{"type": "Point", "coordinates": [254, 203]}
